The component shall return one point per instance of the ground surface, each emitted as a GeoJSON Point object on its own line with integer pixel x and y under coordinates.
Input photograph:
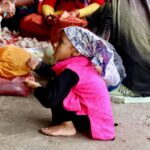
{"type": "Point", "coordinates": [20, 119]}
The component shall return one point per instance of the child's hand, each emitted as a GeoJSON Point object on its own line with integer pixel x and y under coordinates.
{"type": "Point", "coordinates": [8, 9]}
{"type": "Point", "coordinates": [33, 63]}
{"type": "Point", "coordinates": [51, 18]}
{"type": "Point", "coordinates": [74, 13]}
{"type": "Point", "coordinates": [31, 83]}
{"type": "Point", "coordinates": [12, 10]}
{"type": "Point", "coordinates": [98, 69]}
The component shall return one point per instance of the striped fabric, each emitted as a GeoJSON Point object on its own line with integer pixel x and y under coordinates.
{"type": "Point", "coordinates": [101, 21]}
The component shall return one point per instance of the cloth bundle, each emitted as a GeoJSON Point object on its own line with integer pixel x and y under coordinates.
{"type": "Point", "coordinates": [14, 86]}
{"type": "Point", "coordinates": [13, 61]}
{"type": "Point", "coordinates": [13, 71]}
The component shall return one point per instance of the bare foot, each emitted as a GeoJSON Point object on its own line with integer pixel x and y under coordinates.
{"type": "Point", "coordinates": [31, 83]}
{"type": "Point", "coordinates": [64, 129]}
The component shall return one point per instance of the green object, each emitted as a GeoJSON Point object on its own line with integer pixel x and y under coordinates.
{"type": "Point", "coordinates": [123, 95]}
{"type": "Point", "coordinates": [48, 56]}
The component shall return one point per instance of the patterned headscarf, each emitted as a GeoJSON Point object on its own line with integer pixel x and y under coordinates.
{"type": "Point", "coordinates": [95, 48]}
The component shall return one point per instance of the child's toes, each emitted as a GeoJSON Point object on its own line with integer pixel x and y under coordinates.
{"type": "Point", "coordinates": [45, 131]}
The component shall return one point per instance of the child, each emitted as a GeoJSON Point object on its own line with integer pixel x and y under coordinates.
{"type": "Point", "coordinates": [75, 90]}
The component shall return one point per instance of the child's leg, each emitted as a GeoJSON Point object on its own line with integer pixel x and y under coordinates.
{"type": "Point", "coordinates": [67, 122]}
{"type": "Point", "coordinates": [64, 119]}
{"type": "Point", "coordinates": [60, 115]}
{"type": "Point", "coordinates": [64, 129]}
{"type": "Point", "coordinates": [31, 83]}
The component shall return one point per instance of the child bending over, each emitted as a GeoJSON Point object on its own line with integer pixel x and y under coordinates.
{"type": "Point", "coordinates": [75, 91]}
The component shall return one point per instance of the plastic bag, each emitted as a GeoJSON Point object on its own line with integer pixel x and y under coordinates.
{"type": "Point", "coordinates": [15, 86]}
{"type": "Point", "coordinates": [64, 20]}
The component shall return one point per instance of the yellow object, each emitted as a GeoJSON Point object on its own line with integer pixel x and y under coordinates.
{"type": "Point", "coordinates": [88, 10]}
{"type": "Point", "coordinates": [13, 61]}
{"type": "Point", "coordinates": [47, 10]}
{"type": "Point", "coordinates": [58, 12]}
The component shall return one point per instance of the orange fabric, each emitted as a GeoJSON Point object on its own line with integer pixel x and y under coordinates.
{"type": "Point", "coordinates": [13, 61]}
{"type": "Point", "coordinates": [34, 25]}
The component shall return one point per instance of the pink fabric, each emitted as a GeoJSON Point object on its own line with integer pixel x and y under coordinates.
{"type": "Point", "coordinates": [89, 97]}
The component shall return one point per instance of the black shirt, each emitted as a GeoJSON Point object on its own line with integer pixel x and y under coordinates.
{"type": "Point", "coordinates": [57, 87]}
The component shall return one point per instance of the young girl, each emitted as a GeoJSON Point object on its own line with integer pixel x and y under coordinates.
{"type": "Point", "coordinates": [75, 91]}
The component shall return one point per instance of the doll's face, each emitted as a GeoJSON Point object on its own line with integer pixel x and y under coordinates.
{"type": "Point", "coordinates": [64, 49]}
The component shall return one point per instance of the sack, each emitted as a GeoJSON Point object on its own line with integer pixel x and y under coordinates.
{"type": "Point", "coordinates": [13, 62]}
{"type": "Point", "coordinates": [14, 86]}
{"type": "Point", "coordinates": [64, 20]}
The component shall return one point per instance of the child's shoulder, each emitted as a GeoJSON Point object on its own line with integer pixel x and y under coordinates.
{"type": "Point", "coordinates": [80, 60]}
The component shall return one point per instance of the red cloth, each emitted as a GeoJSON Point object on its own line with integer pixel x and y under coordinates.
{"type": "Point", "coordinates": [14, 86]}
{"type": "Point", "coordinates": [49, 2]}
{"type": "Point", "coordinates": [70, 5]}
{"type": "Point", "coordinates": [34, 25]}
{"type": "Point", "coordinates": [101, 2]}
{"type": "Point", "coordinates": [61, 23]}
{"type": "Point", "coordinates": [40, 29]}
{"type": "Point", "coordinates": [40, 7]}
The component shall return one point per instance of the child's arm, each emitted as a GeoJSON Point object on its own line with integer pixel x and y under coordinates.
{"type": "Point", "coordinates": [48, 7]}
{"type": "Point", "coordinates": [23, 2]}
{"type": "Point", "coordinates": [57, 89]}
{"type": "Point", "coordinates": [7, 9]}
{"type": "Point", "coordinates": [45, 70]}
{"type": "Point", "coordinates": [40, 68]}
{"type": "Point", "coordinates": [88, 10]}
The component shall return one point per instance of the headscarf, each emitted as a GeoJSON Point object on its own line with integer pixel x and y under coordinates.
{"type": "Point", "coordinates": [97, 50]}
